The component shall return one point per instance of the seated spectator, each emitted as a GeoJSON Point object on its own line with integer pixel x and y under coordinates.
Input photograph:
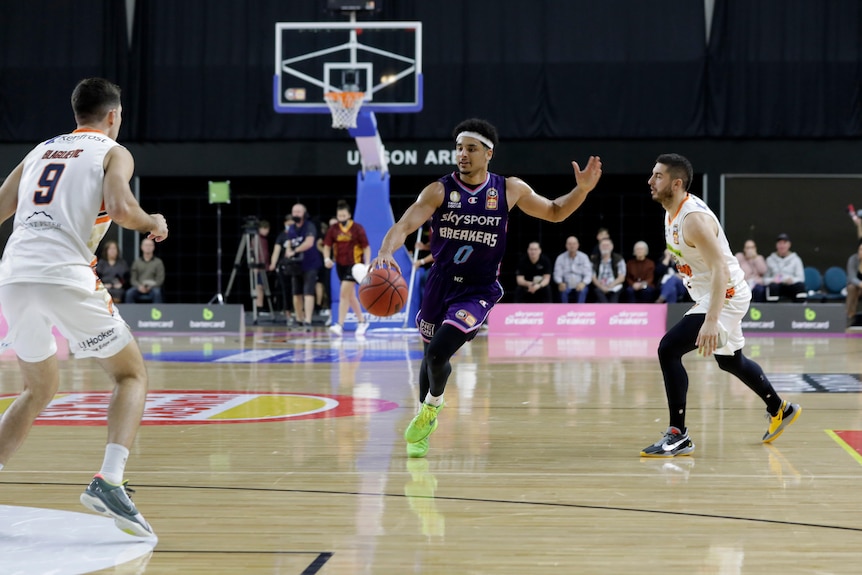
{"type": "Point", "coordinates": [754, 266]}
{"type": "Point", "coordinates": [785, 274]}
{"type": "Point", "coordinates": [533, 276]}
{"type": "Point", "coordinates": [148, 276]}
{"type": "Point", "coordinates": [854, 283]}
{"type": "Point", "coordinates": [609, 273]}
{"type": "Point", "coordinates": [573, 273]}
{"type": "Point", "coordinates": [857, 221]}
{"type": "Point", "coordinates": [601, 233]}
{"type": "Point", "coordinates": [113, 270]}
{"type": "Point", "coordinates": [640, 276]}
{"type": "Point", "coordinates": [671, 288]}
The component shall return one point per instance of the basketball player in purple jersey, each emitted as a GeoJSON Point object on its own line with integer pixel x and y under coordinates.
{"type": "Point", "coordinates": [469, 211]}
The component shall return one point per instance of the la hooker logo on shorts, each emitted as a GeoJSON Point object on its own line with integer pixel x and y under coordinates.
{"type": "Point", "coordinates": [99, 341]}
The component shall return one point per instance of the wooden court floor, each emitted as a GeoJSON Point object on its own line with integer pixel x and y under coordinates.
{"type": "Point", "coordinates": [534, 468]}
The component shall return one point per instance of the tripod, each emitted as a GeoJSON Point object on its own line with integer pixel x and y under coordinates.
{"type": "Point", "coordinates": [250, 246]}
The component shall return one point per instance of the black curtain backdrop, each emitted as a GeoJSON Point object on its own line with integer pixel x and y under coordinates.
{"type": "Point", "coordinates": [785, 69]}
{"type": "Point", "coordinates": [46, 47]}
{"type": "Point", "coordinates": [200, 70]}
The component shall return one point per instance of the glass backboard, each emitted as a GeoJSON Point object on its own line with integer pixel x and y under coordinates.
{"type": "Point", "coordinates": [381, 59]}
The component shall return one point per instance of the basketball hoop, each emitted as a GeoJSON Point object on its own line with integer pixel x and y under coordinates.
{"type": "Point", "coordinates": [344, 107]}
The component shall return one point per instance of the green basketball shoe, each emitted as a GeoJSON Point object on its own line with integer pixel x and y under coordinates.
{"type": "Point", "coordinates": [418, 449]}
{"type": "Point", "coordinates": [423, 424]}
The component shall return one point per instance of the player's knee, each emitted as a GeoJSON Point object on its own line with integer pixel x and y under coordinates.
{"type": "Point", "coordinates": [667, 349]}
{"type": "Point", "coordinates": [446, 341]}
{"type": "Point", "coordinates": [436, 357]}
{"type": "Point", "coordinates": [730, 363]}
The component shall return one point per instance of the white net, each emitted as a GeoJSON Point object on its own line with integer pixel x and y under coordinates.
{"type": "Point", "coordinates": [344, 107]}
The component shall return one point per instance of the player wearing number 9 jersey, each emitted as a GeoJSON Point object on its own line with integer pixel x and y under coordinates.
{"type": "Point", "coordinates": [56, 232]}
{"type": "Point", "coordinates": [64, 195]}
{"type": "Point", "coordinates": [469, 213]}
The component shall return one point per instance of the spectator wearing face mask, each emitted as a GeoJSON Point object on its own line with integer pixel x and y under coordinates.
{"type": "Point", "coordinates": [299, 241]}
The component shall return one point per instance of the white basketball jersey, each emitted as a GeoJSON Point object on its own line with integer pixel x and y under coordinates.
{"type": "Point", "coordinates": [689, 262]}
{"type": "Point", "coordinates": [61, 216]}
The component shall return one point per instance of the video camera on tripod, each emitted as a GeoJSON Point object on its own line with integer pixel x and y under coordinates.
{"type": "Point", "coordinates": [249, 249]}
{"type": "Point", "coordinates": [250, 224]}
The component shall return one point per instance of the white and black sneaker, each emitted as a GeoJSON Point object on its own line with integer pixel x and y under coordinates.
{"type": "Point", "coordinates": [113, 501]}
{"type": "Point", "coordinates": [674, 442]}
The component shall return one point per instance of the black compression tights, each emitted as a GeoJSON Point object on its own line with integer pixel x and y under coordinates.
{"type": "Point", "coordinates": [678, 341]}
{"type": "Point", "coordinates": [435, 369]}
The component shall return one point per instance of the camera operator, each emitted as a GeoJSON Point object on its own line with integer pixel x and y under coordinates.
{"type": "Point", "coordinates": [301, 260]}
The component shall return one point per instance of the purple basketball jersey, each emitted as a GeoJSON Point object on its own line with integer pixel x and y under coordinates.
{"type": "Point", "coordinates": [468, 231]}
{"type": "Point", "coordinates": [468, 239]}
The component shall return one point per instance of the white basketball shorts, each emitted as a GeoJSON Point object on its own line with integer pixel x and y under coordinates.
{"type": "Point", "coordinates": [88, 320]}
{"type": "Point", "coordinates": [730, 318]}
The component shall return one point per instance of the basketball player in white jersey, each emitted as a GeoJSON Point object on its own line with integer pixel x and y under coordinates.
{"type": "Point", "coordinates": [64, 195]}
{"type": "Point", "coordinates": [721, 297]}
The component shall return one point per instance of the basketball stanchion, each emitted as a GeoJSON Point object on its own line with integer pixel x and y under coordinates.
{"type": "Point", "coordinates": [356, 69]}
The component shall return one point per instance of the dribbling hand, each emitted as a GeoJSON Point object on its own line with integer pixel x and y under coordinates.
{"type": "Point", "coordinates": [385, 260]}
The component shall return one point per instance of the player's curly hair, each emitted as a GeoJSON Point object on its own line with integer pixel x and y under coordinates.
{"type": "Point", "coordinates": [480, 127]}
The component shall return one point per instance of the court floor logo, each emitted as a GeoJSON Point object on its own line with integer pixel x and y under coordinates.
{"type": "Point", "coordinates": [206, 407]}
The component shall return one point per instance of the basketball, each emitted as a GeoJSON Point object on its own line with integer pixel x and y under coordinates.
{"type": "Point", "coordinates": [383, 292]}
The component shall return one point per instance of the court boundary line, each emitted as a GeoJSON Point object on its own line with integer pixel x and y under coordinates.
{"type": "Point", "coordinates": [457, 499]}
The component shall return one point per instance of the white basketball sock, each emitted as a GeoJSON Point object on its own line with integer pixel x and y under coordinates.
{"type": "Point", "coordinates": [114, 464]}
{"type": "Point", "coordinates": [436, 401]}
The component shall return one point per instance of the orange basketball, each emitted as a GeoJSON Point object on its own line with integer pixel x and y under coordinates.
{"type": "Point", "coordinates": [383, 292]}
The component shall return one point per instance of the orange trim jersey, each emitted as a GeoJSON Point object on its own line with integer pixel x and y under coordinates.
{"type": "Point", "coordinates": [61, 217]}
{"type": "Point", "coordinates": [689, 262]}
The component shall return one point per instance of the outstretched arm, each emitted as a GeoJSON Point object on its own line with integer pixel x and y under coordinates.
{"type": "Point", "coordinates": [518, 193]}
{"type": "Point", "coordinates": [417, 214]}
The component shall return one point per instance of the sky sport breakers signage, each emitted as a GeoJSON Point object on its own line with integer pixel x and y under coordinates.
{"type": "Point", "coordinates": [184, 318]}
{"type": "Point", "coordinates": [782, 317]}
{"type": "Point", "coordinates": [587, 320]}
